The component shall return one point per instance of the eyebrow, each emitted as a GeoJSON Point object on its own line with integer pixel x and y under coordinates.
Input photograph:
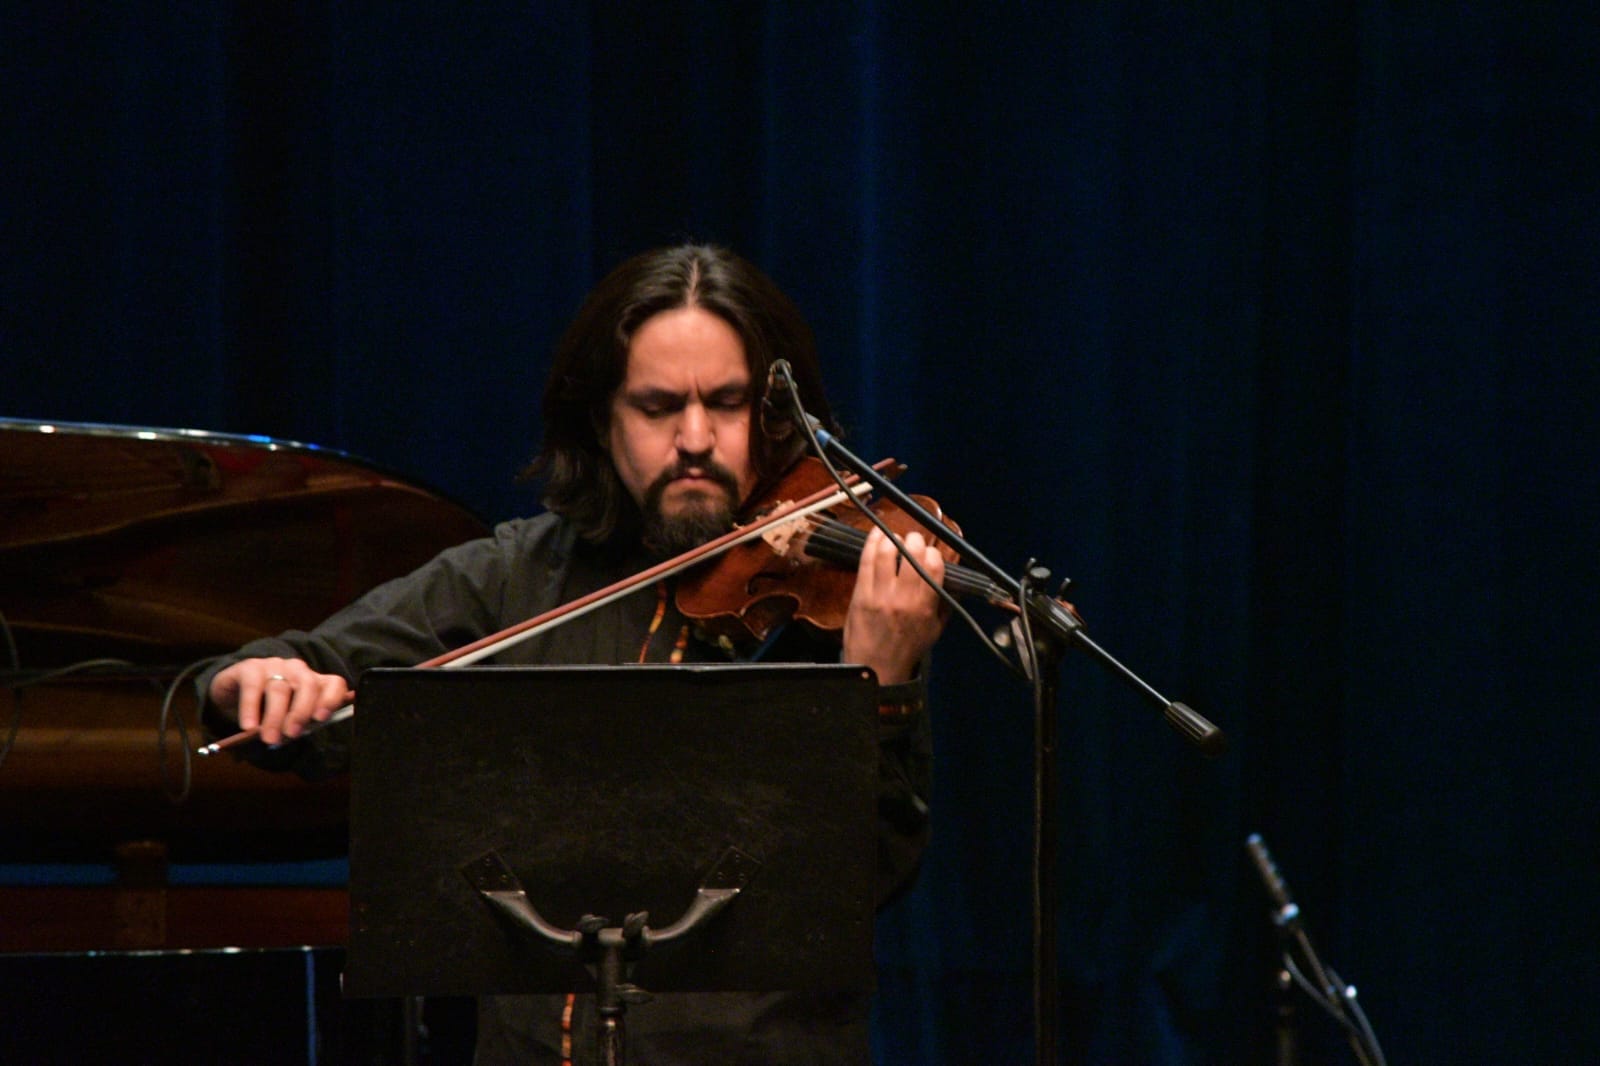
{"type": "Point", "coordinates": [651, 396]}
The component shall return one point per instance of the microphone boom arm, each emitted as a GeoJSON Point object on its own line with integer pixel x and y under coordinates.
{"type": "Point", "coordinates": [1043, 611]}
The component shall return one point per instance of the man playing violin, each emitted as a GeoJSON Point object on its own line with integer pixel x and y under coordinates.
{"type": "Point", "coordinates": [653, 442]}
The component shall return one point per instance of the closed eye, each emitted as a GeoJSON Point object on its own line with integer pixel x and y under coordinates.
{"type": "Point", "coordinates": [657, 404]}
{"type": "Point", "coordinates": [733, 398]}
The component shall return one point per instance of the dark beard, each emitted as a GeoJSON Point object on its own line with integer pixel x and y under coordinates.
{"type": "Point", "coordinates": [703, 518]}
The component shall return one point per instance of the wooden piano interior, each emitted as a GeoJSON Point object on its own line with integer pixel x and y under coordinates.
{"type": "Point", "coordinates": [126, 556]}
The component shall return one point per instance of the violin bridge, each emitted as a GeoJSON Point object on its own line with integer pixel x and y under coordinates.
{"type": "Point", "coordinates": [787, 539]}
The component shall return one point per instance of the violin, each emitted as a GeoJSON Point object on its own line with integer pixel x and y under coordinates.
{"type": "Point", "coordinates": [803, 568]}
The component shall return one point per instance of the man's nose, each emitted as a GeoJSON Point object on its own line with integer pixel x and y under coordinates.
{"type": "Point", "coordinates": [694, 430]}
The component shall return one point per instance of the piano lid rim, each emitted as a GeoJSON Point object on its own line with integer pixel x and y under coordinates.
{"type": "Point", "coordinates": [178, 435]}
{"type": "Point", "coordinates": [172, 435]}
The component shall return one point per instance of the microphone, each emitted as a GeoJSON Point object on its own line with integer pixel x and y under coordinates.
{"type": "Point", "coordinates": [1288, 913]}
{"type": "Point", "coordinates": [777, 421]}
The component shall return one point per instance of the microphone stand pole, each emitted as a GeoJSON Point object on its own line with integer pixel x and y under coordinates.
{"type": "Point", "coordinates": [1057, 629]}
{"type": "Point", "coordinates": [1047, 657]}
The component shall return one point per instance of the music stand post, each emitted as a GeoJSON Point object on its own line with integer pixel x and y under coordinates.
{"type": "Point", "coordinates": [607, 791]}
{"type": "Point", "coordinates": [609, 952]}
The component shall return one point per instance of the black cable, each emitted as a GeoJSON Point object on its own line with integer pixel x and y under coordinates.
{"type": "Point", "coordinates": [183, 734]}
{"type": "Point", "coordinates": [18, 686]}
{"type": "Point", "coordinates": [1363, 1040]}
{"type": "Point", "coordinates": [74, 668]}
{"type": "Point", "coordinates": [1370, 1037]}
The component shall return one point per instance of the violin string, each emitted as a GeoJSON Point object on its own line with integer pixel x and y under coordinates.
{"type": "Point", "coordinates": [836, 536]}
{"type": "Point", "coordinates": [997, 596]}
{"type": "Point", "coordinates": [841, 543]}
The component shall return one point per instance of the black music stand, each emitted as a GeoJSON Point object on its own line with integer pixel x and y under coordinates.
{"type": "Point", "coordinates": [606, 794]}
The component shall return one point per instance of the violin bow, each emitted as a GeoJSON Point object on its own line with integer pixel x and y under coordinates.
{"type": "Point", "coordinates": [821, 500]}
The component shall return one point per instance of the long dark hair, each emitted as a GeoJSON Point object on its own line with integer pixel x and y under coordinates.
{"type": "Point", "coordinates": [591, 360]}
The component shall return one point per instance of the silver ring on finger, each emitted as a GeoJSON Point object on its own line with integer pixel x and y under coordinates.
{"type": "Point", "coordinates": [276, 677]}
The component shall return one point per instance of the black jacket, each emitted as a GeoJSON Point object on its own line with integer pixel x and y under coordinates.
{"type": "Point", "coordinates": [526, 568]}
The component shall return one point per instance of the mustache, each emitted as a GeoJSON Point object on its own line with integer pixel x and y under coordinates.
{"type": "Point", "coordinates": [704, 468]}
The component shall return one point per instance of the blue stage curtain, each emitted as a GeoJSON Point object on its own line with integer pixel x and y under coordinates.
{"type": "Point", "coordinates": [1273, 326]}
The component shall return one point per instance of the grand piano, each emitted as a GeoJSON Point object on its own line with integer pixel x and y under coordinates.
{"type": "Point", "coordinates": [128, 555]}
